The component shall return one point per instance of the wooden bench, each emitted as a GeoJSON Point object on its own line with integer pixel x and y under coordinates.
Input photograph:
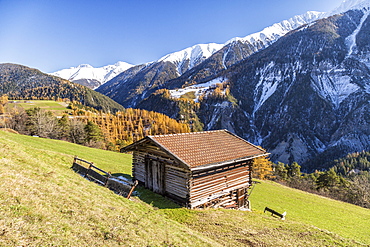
{"type": "Point", "coordinates": [273, 212]}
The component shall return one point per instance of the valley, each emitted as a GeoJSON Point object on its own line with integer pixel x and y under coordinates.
{"type": "Point", "coordinates": [299, 89]}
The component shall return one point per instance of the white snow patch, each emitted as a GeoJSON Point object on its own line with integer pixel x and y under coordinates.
{"type": "Point", "coordinates": [351, 39]}
{"type": "Point", "coordinates": [367, 88]}
{"type": "Point", "coordinates": [224, 58]}
{"type": "Point", "coordinates": [198, 89]}
{"type": "Point", "coordinates": [267, 85]}
{"type": "Point", "coordinates": [348, 5]}
{"type": "Point", "coordinates": [333, 86]}
{"type": "Point", "coordinates": [224, 104]}
{"type": "Point", "coordinates": [277, 30]}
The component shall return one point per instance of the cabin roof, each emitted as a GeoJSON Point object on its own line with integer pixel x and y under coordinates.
{"type": "Point", "coordinates": [199, 149]}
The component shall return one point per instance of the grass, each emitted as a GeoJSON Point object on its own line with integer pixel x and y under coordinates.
{"type": "Point", "coordinates": [58, 108]}
{"type": "Point", "coordinates": [347, 220]}
{"type": "Point", "coordinates": [107, 160]}
{"type": "Point", "coordinates": [45, 203]}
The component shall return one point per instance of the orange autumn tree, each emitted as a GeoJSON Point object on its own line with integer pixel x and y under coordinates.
{"type": "Point", "coordinates": [3, 102]}
{"type": "Point", "coordinates": [262, 168]}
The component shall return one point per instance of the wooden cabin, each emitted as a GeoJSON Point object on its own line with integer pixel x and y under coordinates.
{"type": "Point", "coordinates": [196, 170]}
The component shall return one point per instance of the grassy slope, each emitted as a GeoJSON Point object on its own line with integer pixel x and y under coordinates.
{"type": "Point", "coordinates": [338, 217]}
{"type": "Point", "coordinates": [45, 203]}
{"type": "Point", "coordinates": [49, 105]}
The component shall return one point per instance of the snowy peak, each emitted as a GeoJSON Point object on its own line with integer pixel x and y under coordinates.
{"type": "Point", "coordinates": [350, 5]}
{"type": "Point", "coordinates": [192, 56]}
{"type": "Point", "coordinates": [87, 72]}
{"type": "Point", "coordinates": [84, 66]}
{"type": "Point", "coordinates": [277, 30]}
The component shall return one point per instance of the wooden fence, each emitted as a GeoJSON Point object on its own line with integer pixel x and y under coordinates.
{"type": "Point", "coordinates": [88, 170]}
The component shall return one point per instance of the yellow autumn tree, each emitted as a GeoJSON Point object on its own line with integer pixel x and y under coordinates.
{"type": "Point", "coordinates": [3, 102]}
{"type": "Point", "coordinates": [262, 168]}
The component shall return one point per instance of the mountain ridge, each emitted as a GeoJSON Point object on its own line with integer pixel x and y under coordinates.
{"type": "Point", "coordinates": [21, 82]}
{"type": "Point", "coordinates": [304, 98]}
{"type": "Point", "coordinates": [89, 76]}
{"type": "Point", "coordinates": [188, 58]}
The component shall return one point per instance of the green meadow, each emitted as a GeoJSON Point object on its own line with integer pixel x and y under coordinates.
{"type": "Point", "coordinates": [49, 105]}
{"type": "Point", "coordinates": [45, 203]}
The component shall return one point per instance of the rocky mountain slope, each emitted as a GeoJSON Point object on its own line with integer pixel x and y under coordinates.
{"type": "Point", "coordinates": [21, 82]}
{"type": "Point", "coordinates": [304, 97]}
{"type": "Point", "coordinates": [299, 88]}
{"type": "Point", "coordinates": [195, 64]}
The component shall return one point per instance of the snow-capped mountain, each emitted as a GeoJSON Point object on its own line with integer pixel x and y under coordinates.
{"type": "Point", "coordinates": [349, 5]}
{"type": "Point", "coordinates": [302, 92]}
{"type": "Point", "coordinates": [197, 63]}
{"type": "Point", "coordinates": [87, 75]}
{"type": "Point", "coordinates": [192, 56]}
{"type": "Point", "coordinates": [272, 33]}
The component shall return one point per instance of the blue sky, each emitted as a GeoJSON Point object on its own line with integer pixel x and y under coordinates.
{"type": "Point", "coordinates": [54, 34]}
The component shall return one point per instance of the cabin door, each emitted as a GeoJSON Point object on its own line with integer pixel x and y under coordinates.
{"type": "Point", "coordinates": [155, 176]}
{"type": "Point", "coordinates": [241, 197]}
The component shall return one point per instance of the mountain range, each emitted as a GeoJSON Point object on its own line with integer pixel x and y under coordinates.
{"type": "Point", "coordinates": [299, 88]}
{"type": "Point", "coordinates": [21, 82]}
{"type": "Point", "coordinates": [188, 58]}
{"type": "Point", "coordinates": [89, 76]}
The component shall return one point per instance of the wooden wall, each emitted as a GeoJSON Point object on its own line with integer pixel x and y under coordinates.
{"type": "Point", "coordinates": [226, 182]}
{"type": "Point", "coordinates": [162, 175]}
{"type": "Point", "coordinates": [219, 187]}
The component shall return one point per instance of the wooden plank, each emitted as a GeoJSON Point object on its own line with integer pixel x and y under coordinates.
{"type": "Point", "coordinates": [231, 171]}
{"type": "Point", "coordinates": [226, 181]}
{"type": "Point", "coordinates": [211, 192]}
{"type": "Point", "coordinates": [213, 181]}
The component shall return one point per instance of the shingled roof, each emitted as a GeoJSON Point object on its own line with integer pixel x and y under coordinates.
{"type": "Point", "coordinates": [199, 149]}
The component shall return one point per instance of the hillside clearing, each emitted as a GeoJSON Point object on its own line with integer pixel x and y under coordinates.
{"type": "Point", "coordinates": [45, 203]}
{"type": "Point", "coordinates": [58, 108]}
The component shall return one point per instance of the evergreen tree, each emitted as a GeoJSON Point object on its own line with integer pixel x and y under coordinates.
{"type": "Point", "coordinates": [280, 171]}
{"type": "Point", "coordinates": [64, 128]}
{"type": "Point", "coordinates": [294, 170]}
{"type": "Point", "coordinates": [330, 179]}
{"type": "Point", "coordinates": [93, 132]}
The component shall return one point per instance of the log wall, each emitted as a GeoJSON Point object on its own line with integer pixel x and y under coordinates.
{"type": "Point", "coordinates": [224, 186]}
{"type": "Point", "coordinates": [174, 181]}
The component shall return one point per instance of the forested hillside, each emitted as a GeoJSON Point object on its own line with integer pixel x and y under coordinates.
{"type": "Point", "coordinates": [20, 82]}
{"type": "Point", "coordinates": [86, 125]}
